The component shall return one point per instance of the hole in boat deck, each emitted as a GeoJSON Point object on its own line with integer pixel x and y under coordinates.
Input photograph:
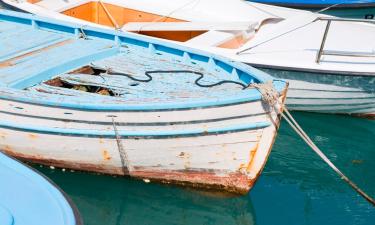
{"type": "Point", "coordinates": [140, 78]}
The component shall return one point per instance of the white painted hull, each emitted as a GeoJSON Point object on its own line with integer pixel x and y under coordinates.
{"type": "Point", "coordinates": [329, 93]}
{"type": "Point", "coordinates": [85, 140]}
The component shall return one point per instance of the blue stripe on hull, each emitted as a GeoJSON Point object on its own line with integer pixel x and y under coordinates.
{"type": "Point", "coordinates": [133, 134]}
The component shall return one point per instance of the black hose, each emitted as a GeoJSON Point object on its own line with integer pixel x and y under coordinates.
{"type": "Point", "coordinates": [201, 75]}
{"type": "Point", "coordinates": [149, 78]}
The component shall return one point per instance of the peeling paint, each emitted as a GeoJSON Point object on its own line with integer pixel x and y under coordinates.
{"type": "Point", "coordinates": [3, 135]}
{"type": "Point", "coordinates": [106, 155]}
{"type": "Point", "coordinates": [232, 182]}
{"type": "Point", "coordinates": [237, 182]}
{"type": "Point", "coordinates": [32, 136]}
{"type": "Point", "coordinates": [252, 154]}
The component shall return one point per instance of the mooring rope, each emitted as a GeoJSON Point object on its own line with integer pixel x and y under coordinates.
{"type": "Point", "coordinates": [264, 88]}
{"type": "Point", "coordinates": [268, 92]}
{"type": "Point", "coordinates": [126, 167]}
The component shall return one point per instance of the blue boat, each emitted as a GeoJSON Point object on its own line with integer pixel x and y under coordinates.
{"type": "Point", "coordinates": [29, 198]}
{"type": "Point", "coordinates": [362, 9]}
{"type": "Point", "coordinates": [121, 103]}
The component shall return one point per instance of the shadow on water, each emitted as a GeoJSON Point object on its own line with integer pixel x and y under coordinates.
{"type": "Point", "coordinates": [296, 187]}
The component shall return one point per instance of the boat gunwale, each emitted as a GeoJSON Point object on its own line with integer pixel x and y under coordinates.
{"type": "Point", "coordinates": [318, 71]}
{"type": "Point", "coordinates": [119, 107]}
{"type": "Point", "coordinates": [123, 38]}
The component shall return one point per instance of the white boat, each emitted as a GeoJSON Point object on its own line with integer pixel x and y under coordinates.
{"type": "Point", "coordinates": [329, 62]}
{"type": "Point", "coordinates": [120, 103]}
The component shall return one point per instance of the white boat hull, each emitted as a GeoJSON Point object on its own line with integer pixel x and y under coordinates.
{"type": "Point", "coordinates": [329, 93]}
{"type": "Point", "coordinates": [211, 159]}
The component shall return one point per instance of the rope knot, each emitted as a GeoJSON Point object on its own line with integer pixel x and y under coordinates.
{"type": "Point", "coordinates": [268, 91]}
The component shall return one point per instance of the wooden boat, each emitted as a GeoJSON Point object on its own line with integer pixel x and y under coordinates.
{"type": "Point", "coordinates": [329, 62]}
{"type": "Point", "coordinates": [29, 198]}
{"type": "Point", "coordinates": [361, 9]}
{"type": "Point", "coordinates": [119, 103]}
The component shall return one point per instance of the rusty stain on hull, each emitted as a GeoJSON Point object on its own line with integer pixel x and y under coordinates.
{"type": "Point", "coordinates": [231, 182]}
{"type": "Point", "coordinates": [106, 155]}
{"type": "Point", "coordinates": [33, 136]}
{"type": "Point", "coordinates": [91, 167]}
{"type": "Point", "coordinates": [237, 182]}
{"type": "Point", "coordinates": [252, 154]}
{"type": "Point", "coordinates": [365, 115]}
{"type": "Point", "coordinates": [283, 98]}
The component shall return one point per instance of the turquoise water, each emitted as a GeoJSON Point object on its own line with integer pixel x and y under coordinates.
{"type": "Point", "coordinates": [296, 187]}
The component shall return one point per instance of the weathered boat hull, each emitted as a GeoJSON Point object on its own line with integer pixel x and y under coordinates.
{"type": "Point", "coordinates": [119, 103]}
{"type": "Point", "coordinates": [329, 93]}
{"type": "Point", "coordinates": [216, 150]}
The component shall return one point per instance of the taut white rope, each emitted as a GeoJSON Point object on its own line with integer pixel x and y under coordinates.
{"type": "Point", "coordinates": [267, 95]}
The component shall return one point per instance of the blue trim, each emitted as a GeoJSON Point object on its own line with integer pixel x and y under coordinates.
{"type": "Point", "coordinates": [133, 134]}
{"type": "Point", "coordinates": [200, 58]}
{"type": "Point", "coordinates": [72, 102]}
{"type": "Point", "coordinates": [135, 123]}
{"type": "Point", "coordinates": [169, 50]}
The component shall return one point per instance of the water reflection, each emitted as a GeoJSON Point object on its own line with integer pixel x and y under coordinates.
{"type": "Point", "coordinates": [108, 200]}
{"type": "Point", "coordinates": [298, 188]}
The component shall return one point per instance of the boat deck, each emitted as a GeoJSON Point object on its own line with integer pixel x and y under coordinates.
{"type": "Point", "coordinates": [45, 61]}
